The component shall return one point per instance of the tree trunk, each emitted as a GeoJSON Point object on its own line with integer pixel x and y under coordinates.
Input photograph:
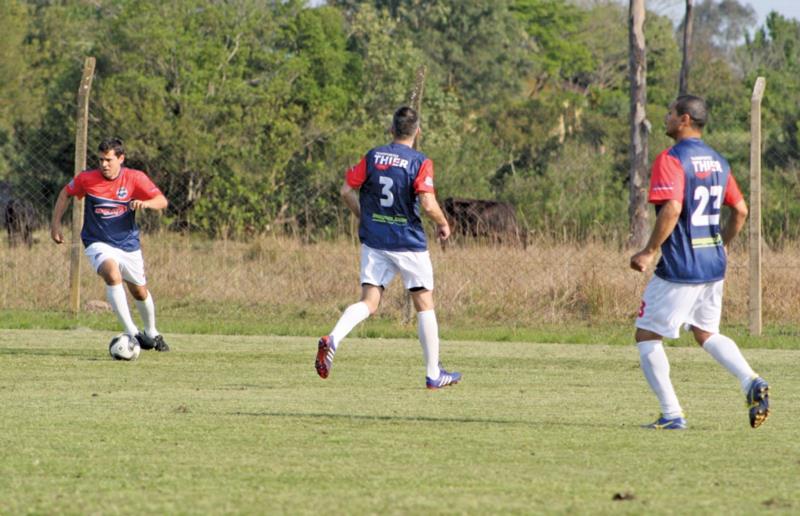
{"type": "Point", "coordinates": [687, 49]}
{"type": "Point", "coordinates": [640, 128]}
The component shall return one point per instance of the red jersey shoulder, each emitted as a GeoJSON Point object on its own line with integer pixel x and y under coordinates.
{"type": "Point", "coordinates": [143, 187]}
{"type": "Point", "coordinates": [130, 184]}
{"type": "Point", "coordinates": [666, 178]}
{"type": "Point", "coordinates": [424, 180]}
{"type": "Point", "coordinates": [80, 184]}
{"type": "Point", "coordinates": [357, 174]}
{"type": "Point", "coordinates": [732, 192]}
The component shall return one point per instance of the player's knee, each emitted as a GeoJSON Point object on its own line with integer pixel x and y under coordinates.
{"type": "Point", "coordinates": [139, 292]}
{"type": "Point", "coordinates": [423, 299]}
{"type": "Point", "coordinates": [372, 305]}
{"type": "Point", "coordinates": [109, 271]}
{"type": "Point", "coordinates": [642, 335]}
{"type": "Point", "coordinates": [701, 336]}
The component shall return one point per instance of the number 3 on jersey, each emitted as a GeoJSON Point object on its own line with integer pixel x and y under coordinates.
{"type": "Point", "coordinates": [703, 194]}
{"type": "Point", "coordinates": [387, 197]}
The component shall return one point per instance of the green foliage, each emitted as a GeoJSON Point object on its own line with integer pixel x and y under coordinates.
{"type": "Point", "coordinates": [558, 55]}
{"type": "Point", "coordinates": [774, 53]}
{"type": "Point", "coordinates": [247, 112]}
{"type": "Point", "coordinates": [474, 47]}
{"type": "Point", "coordinates": [577, 196]}
{"type": "Point", "coordinates": [18, 100]}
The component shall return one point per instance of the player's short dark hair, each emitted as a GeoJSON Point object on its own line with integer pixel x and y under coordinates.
{"type": "Point", "coordinates": [405, 122]}
{"type": "Point", "coordinates": [693, 106]}
{"type": "Point", "coordinates": [114, 144]}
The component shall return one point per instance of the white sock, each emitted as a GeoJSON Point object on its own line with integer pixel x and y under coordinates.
{"type": "Point", "coordinates": [655, 366]}
{"type": "Point", "coordinates": [116, 296]}
{"type": "Point", "coordinates": [428, 330]}
{"type": "Point", "coordinates": [147, 309]}
{"type": "Point", "coordinates": [352, 315]}
{"type": "Point", "coordinates": [727, 353]}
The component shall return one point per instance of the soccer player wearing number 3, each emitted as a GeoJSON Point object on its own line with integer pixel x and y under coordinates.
{"type": "Point", "coordinates": [689, 183]}
{"type": "Point", "coordinates": [113, 193]}
{"type": "Point", "coordinates": [385, 190]}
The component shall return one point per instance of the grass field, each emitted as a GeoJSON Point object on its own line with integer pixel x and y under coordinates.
{"type": "Point", "coordinates": [242, 424]}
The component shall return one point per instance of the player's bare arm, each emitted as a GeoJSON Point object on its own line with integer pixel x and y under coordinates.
{"type": "Point", "coordinates": [735, 222]}
{"type": "Point", "coordinates": [665, 223]}
{"type": "Point", "coordinates": [350, 198]}
{"type": "Point", "coordinates": [58, 211]}
{"type": "Point", "coordinates": [159, 202]}
{"type": "Point", "coordinates": [430, 206]}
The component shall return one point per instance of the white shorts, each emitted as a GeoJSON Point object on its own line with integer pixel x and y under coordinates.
{"type": "Point", "coordinates": [379, 267]}
{"type": "Point", "coordinates": [131, 263]}
{"type": "Point", "coordinates": [667, 305]}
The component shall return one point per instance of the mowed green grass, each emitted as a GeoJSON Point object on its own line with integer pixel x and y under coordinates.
{"type": "Point", "coordinates": [226, 424]}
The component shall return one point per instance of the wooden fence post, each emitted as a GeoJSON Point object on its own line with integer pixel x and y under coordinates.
{"type": "Point", "coordinates": [81, 136]}
{"type": "Point", "coordinates": [755, 207]}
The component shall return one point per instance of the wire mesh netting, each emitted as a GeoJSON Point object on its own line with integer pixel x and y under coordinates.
{"type": "Point", "coordinates": [284, 267]}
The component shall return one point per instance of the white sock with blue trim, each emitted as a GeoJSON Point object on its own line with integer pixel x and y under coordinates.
{"type": "Point", "coordinates": [726, 352]}
{"type": "Point", "coordinates": [428, 330]}
{"type": "Point", "coordinates": [147, 309]}
{"type": "Point", "coordinates": [655, 367]}
{"type": "Point", "coordinates": [116, 297]}
{"type": "Point", "coordinates": [352, 315]}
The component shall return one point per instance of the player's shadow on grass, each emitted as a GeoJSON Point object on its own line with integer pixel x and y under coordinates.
{"type": "Point", "coordinates": [48, 352]}
{"type": "Point", "coordinates": [427, 419]}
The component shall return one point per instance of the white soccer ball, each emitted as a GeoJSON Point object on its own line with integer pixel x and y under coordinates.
{"type": "Point", "coordinates": [123, 347]}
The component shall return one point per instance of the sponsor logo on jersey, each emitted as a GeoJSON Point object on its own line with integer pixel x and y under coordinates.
{"type": "Point", "coordinates": [429, 181]}
{"type": "Point", "coordinates": [712, 241]}
{"type": "Point", "coordinates": [109, 210]}
{"type": "Point", "coordinates": [389, 219]}
{"type": "Point", "coordinates": [385, 160]}
{"type": "Point", "coordinates": [122, 192]}
{"type": "Point", "coordinates": [704, 166]}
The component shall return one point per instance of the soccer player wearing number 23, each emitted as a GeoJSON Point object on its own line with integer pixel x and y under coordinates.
{"type": "Point", "coordinates": [690, 181]}
{"type": "Point", "coordinates": [386, 190]}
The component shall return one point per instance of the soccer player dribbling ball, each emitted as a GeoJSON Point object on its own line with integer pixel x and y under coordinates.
{"type": "Point", "coordinates": [110, 235]}
{"type": "Point", "coordinates": [386, 190]}
{"type": "Point", "coordinates": [689, 183]}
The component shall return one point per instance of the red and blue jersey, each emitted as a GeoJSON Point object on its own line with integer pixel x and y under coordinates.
{"type": "Point", "coordinates": [694, 174]}
{"type": "Point", "coordinates": [389, 178]}
{"type": "Point", "coordinates": [107, 216]}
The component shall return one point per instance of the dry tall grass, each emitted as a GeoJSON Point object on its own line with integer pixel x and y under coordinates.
{"type": "Point", "coordinates": [546, 283]}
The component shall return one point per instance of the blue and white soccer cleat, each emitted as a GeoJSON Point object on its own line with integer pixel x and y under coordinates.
{"type": "Point", "coordinates": [444, 380]}
{"type": "Point", "coordinates": [325, 351]}
{"type": "Point", "coordinates": [662, 423]}
{"type": "Point", "coordinates": [758, 402]}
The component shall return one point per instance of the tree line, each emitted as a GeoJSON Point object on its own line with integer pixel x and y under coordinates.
{"type": "Point", "coordinates": [247, 112]}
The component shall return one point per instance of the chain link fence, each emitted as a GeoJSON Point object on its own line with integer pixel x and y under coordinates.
{"type": "Point", "coordinates": [284, 272]}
